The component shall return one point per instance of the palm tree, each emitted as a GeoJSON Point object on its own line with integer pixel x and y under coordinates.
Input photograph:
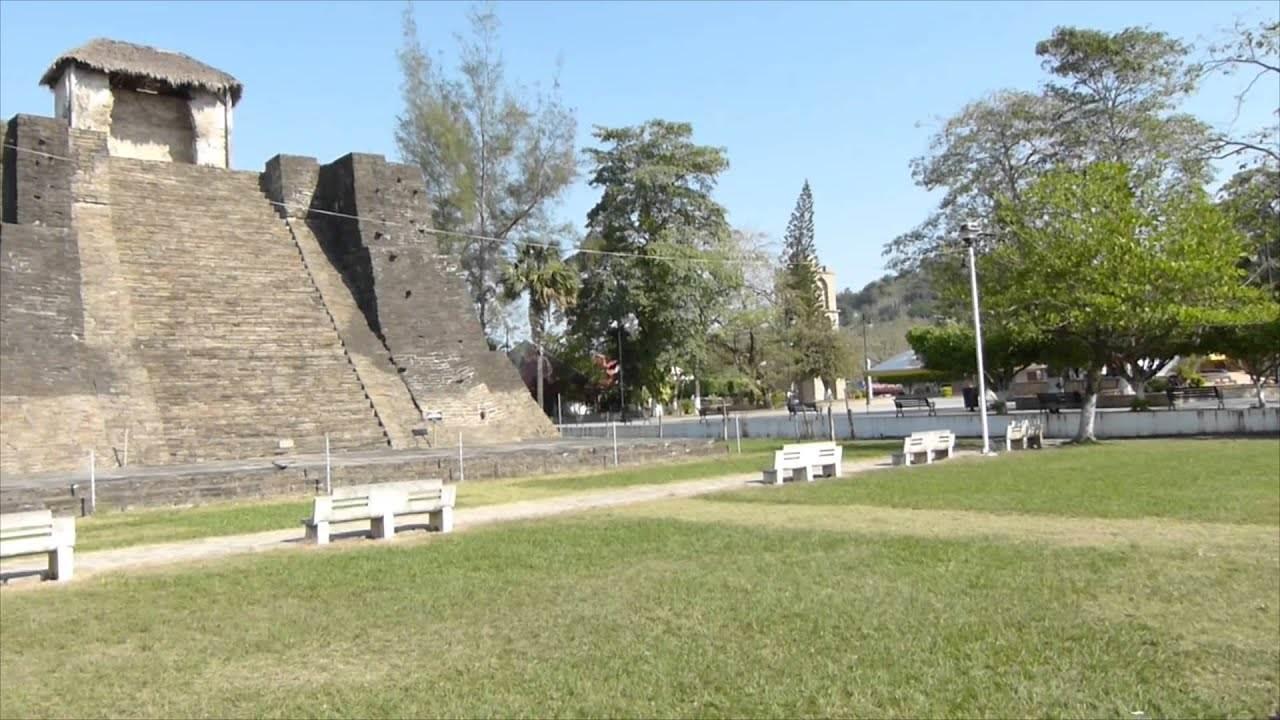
{"type": "Point", "coordinates": [551, 284]}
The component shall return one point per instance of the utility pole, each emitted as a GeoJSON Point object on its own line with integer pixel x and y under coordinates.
{"type": "Point", "coordinates": [969, 235]}
{"type": "Point", "coordinates": [866, 365]}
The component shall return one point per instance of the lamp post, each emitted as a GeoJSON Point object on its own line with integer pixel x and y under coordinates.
{"type": "Point", "coordinates": [622, 383]}
{"type": "Point", "coordinates": [969, 235]}
{"type": "Point", "coordinates": [866, 365]}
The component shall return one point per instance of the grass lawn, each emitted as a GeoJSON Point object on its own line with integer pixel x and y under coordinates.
{"type": "Point", "coordinates": [643, 612]}
{"type": "Point", "coordinates": [1233, 481]}
{"type": "Point", "coordinates": [119, 529]}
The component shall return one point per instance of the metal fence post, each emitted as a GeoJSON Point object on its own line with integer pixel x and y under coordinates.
{"type": "Point", "coordinates": [93, 483]}
{"type": "Point", "coordinates": [615, 444]}
{"type": "Point", "coordinates": [737, 430]}
{"type": "Point", "coordinates": [328, 474]}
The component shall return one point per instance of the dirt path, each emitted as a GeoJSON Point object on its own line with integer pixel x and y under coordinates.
{"type": "Point", "coordinates": [190, 551]}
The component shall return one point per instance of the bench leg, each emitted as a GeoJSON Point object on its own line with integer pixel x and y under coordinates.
{"type": "Point", "coordinates": [318, 533]}
{"type": "Point", "coordinates": [384, 528]}
{"type": "Point", "coordinates": [442, 520]}
{"type": "Point", "coordinates": [60, 563]}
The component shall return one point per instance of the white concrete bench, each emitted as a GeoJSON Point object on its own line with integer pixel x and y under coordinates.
{"type": "Point", "coordinates": [39, 533]}
{"type": "Point", "coordinates": [914, 448]}
{"type": "Point", "coordinates": [941, 443]}
{"type": "Point", "coordinates": [929, 446]}
{"type": "Point", "coordinates": [804, 460]}
{"type": "Point", "coordinates": [380, 504]}
{"type": "Point", "coordinates": [1016, 432]}
{"type": "Point", "coordinates": [1035, 434]}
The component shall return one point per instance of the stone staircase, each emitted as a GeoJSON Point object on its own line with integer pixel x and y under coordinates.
{"type": "Point", "coordinates": [238, 347]}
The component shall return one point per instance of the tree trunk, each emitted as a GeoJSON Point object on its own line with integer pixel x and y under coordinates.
{"type": "Point", "coordinates": [541, 405]}
{"type": "Point", "coordinates": [1093, 379]}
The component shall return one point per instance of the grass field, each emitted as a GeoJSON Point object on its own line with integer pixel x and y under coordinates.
{"type": "Point", "coordinates": [120, 529]}
{"type": "Point", "coordinates": [965, 596]}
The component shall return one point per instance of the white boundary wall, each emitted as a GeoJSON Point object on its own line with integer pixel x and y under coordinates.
{"type": "Point", "coordinates": [1117, 424]}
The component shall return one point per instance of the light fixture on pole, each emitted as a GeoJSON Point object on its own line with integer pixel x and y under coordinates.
{"type": "Point", "coordinates": [866, 365]}
{"type": "Point", "coordinates": [969, 234]}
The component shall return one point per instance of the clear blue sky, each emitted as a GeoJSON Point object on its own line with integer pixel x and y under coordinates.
{"type": "Point", "coordinates": [843, 94]}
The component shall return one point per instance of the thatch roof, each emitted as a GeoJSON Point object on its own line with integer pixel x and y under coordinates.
{"type": "Point", "coordinates": [147, 63]}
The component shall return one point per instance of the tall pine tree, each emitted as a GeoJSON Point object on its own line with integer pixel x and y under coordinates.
{"type": "Point", "coordinates": [801, 297]}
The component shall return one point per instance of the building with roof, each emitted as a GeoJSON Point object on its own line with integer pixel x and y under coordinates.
{"type": "Point", "coordinates": [152, 104]}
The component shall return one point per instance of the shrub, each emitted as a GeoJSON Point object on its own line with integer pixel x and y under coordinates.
{"type": "Point", "coordinates": [1195, 380]}
{"type": "Point", "coordinates": [777, 400]}
{"type": "Point", "coordinates": [1158, 385]}
{"type": "Point", "coordinates": [686, 407]}
{"type": "Point", "coordinates": [1139, 405]}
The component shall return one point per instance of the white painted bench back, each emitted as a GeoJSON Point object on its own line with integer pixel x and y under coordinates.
{"type": "Point", "coordinates": [1016, 430]}
{"type": "Point", "coordinates": [364, 502]}
{"type": "Point", "coordinates": [938, 439]}
{"type": "Point", "coordinates": [797, 455]}
{"type": "Point", "coordinates": [914, 444]}
{"type": "Point", "coordinates": [411, 497]}
{"type": "Point", "coordinates": [37, 531]}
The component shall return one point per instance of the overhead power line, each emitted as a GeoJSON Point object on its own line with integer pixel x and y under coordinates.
{"type": "Point", "coordinates": [464, 235]}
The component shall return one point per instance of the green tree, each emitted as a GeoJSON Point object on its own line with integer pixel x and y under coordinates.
{"type": "Point", "coordinates": [551, 286]}
{"type": "Point", "coordinates": [1108, 97]}
{"type": "Point", "coordinates": [1252, 199]}
{"type": "Point", "coordinates": [800, 293]}
{"type": "Point", "coordinates": [658, 258]}
{"type": "Point", "coordinates": [495, 158]}
{"type": "Point", "coordinates": [951, 349]}
{"type": "Point", "coordinates": [1105, 279]}
{"type": "Point", "coordinates": [1255, 345]}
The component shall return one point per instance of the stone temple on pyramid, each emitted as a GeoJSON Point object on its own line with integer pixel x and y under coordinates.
{"type": "Point", "coordinates": [156, 302]}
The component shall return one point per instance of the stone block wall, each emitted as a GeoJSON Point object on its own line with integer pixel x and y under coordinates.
{"type": "Point", "coordinates": [412, 298]}
{"type": "Point", "coordinates": [37, 188]}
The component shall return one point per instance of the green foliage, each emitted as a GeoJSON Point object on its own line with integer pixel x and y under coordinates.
{"type": "Point", "coordinates": [1110, 97]}
{"type": "Point", "coordinates": [686, 406]}
{"type": "Point", "coordinates": [800, 294]}
{"type": "Point", "coordinates": [551, 285]}
{"type": "Point", "coordinates": [1251, 198]}
{"type": "Point", "coordinates": [655, 203]}
{"type": "Point", "coordinates": [1256, 345]}
{"type": "Point", "coordinates": [495, 158]}
{"type": "Point", "coordinates": [1157, 385]}
{"type": "Point", "coordinates": [950, 349]}
{"type": "Point", "coordinates": [1106, 280]}
{"type": "Point", "coordinates": [1139, 404]}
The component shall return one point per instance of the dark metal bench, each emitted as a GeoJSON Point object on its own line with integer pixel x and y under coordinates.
{"type": "Point", "coordinates": [907, 402]}
{"type": "Point", "coordinates": [716, 409]}
{"type": "Point", "coordinates": [1055, 402]}
{"type": "Point", "coordinates": [1208, 392]}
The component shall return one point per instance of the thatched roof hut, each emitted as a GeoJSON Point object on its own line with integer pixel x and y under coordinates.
{"type": "Point", "coordinates": [147, 65]}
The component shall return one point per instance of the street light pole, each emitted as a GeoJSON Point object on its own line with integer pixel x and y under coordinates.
{"type": "Point", "coordinates": [622, 383]}
{"type": "Point", "coordinates": [968, 235]}
{"type": "Point", "coordinates": [866, 366]}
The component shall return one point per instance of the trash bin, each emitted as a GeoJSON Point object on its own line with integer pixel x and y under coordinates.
{"type": "Point", "coordinates": [970, 399]}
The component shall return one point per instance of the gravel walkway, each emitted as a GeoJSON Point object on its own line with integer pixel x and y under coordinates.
{"type": "Point", "coordinates": [143, 556]}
